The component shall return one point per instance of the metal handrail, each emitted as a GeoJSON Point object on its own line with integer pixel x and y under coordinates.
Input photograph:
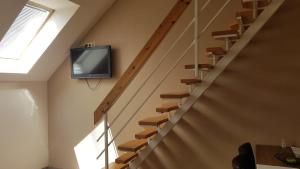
{"type": "Point", "coordinates": [196, 31]}
{"type": "Point", "coordinates": [166, 75]}
{"type": "Point", "coordinates": [152, 92]}
{"type": "Point", "coordinates": [166, 54]}
{"type": "Point", "coordinates": [150, 75]}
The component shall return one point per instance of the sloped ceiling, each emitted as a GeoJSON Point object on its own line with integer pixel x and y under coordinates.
{"type": "Point", "coordinates": [87, 15]}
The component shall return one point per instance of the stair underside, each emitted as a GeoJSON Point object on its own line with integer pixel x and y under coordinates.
{"type": "Point", "coordinates": [216, 51]}
{"type": "Point", "coordinates": [200, 66]}
{"type": "Point", "coordinates": [260, 4]}
{"type": "Point", "coordinates": [154, 121]}
{"type": "Point", "coordinates": [236, 26]}
{"type": "Point", "coordinates": [146, 133]}
{"type": "Point", "coordinates": [227, 34]}
{"type": "Point", "coordinates": [167, 107]}
{"type": "Point", "coordinates": [175, 95]}
{"type": "Point", "coordinates": [190, 81]}
{"type": "Point", "coordinates": [133, 146]}
{"type": "Point", "coordinates": [126, 157]}
{"type": "Point", "coordinates": [247, 16]}
{"type": "Point", "coordinates": [118, 166]}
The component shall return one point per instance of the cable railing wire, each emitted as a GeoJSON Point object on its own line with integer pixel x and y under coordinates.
{"type": "Point", "coordinates": [152, 92]}
{"type": "Point", "coordinates": [150, 75]}
{"type": "Point", "coordinates": [154, 70]}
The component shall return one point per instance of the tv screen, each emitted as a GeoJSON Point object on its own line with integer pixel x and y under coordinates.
{"type": "Point", "coordinates": [94, 62]}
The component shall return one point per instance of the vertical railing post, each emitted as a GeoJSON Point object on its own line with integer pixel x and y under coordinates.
{"type": "Point", "coordinates": [196, 33]}
{"type": "Point", "coordinates": [106, 140]}
{"type": "Point", "coordinates": [227, 44]}
{"type": "Point", "coordinates": [254, 9]}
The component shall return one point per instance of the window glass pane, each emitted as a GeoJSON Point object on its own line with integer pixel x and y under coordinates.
{"type": "Point", "coordinates": [22, 31]}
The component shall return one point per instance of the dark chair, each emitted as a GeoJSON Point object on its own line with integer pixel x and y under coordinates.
{"type": "Point", "coordinates": [240, 162]}
{"type": "Point", "coordinates": [246, 149]}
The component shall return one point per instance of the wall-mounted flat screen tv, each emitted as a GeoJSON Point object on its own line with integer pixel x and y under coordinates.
{"type": "Point", "coordinates": [93, 62]}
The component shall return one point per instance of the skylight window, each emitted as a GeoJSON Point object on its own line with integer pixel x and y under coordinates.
{"type": "Point", "coordinates": [23, 31]}
{"type": "Point", "coordinates": [32, 32]}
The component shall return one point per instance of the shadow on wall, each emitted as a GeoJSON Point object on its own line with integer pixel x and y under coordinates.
{"type": "Point", "coordinates": [256, 99]}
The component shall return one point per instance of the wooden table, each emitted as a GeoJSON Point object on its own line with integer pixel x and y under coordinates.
{"type": "Point", "coordinates": [265, 156]}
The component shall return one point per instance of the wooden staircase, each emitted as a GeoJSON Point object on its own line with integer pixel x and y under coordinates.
{"type": "Point", "coordinates": [230, 35]}
{"type": "Point", "coordinates": [152, 126]}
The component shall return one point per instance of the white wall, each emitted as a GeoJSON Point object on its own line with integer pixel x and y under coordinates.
{"type": "Point", "coordinates": [23, 125]}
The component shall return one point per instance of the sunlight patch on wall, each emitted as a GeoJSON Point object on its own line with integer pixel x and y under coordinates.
{"type": "Point", "coordinates": [88, 149]}
{"type": "Point", "coordinates": [33, 108]}
{"type": "Point", "coordinates": [19, 98]}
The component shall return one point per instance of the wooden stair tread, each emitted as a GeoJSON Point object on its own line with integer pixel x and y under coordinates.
{"type": "Point", "coordinates": [221, 35]}
{"type": "Point", "coordinates": [167, 107]}
{"type": "Point", "coordinates": [133, 146]}
{"type": "Point", "coordinates": [235, 26]}
{"type": "Point", "coordinates": [125, 158]}
{"type": "Point", "coordinates": [247, 16]}
{"type": "Point", "coordinates": [154, 121]}
{"type": "Point", "coordinates": [216, 51]}
{"type": "Point", "coordinates": [260, 4]}
{"type": "Point", "coordinates": [200, 66]}
{"type": "Point", "coordinates": [118, 166]}
{"type": "Point", "coordinates": [175, 95]}
{"type": "Point", "coordinates": [146, 133]}
{"type": "Point", "coordinates": [190, 81]}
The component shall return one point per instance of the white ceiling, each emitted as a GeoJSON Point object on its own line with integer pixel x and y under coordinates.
{"type": "Point", "coordinates": [87, 15]}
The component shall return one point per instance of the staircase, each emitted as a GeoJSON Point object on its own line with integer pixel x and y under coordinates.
{"type": "Point", "coordinates": [246, 24]}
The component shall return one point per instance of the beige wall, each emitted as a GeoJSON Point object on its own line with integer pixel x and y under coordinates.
{"type": "Point", "coordinates": [23, 125]}
{"type": "Point", "coordinates": [256, 99]}
{"type": "Point", "coordinates": [126, 26]}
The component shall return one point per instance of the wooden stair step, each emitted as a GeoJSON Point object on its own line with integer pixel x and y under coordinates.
{"type": "Point", "coordinates": [221, 35]}
{"type": "Point", "coordinates": [146, 133]}
{"type": "Point", "coordinates": [216, 51]}
{"type": "Point", "coordinates": [200, 66]}
{"type": "Point", "coordinates": [118, 166]}
{"type": "Point", "coordinates": [247, 16]}
{"type": "Point", "coordinates": [175, 95]}
{"type": "Point", "coordinates": [133, 146]}
{"type": "Point", "coordinates": [154, 121]}
{"type": "Point", "coordinates": [190, 81]}
{"type": "Point", "coordinates": [167, 107]}
{"type": "Point", "coordinates": [126, 157]}
{"type": "Point", "coordinates": [236, 26]}
{"type": "Point", "coordinates": [260, 4]}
